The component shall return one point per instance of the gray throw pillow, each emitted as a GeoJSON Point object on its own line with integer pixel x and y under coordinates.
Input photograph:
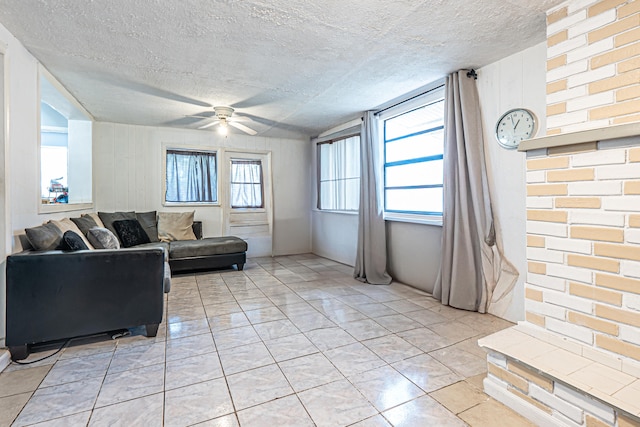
{"type": "Point", "coordinates": [149, 223]}
{"type": "Point", "coordinates": [102, 238]}
{"type": "Point", "coordinates": [84, 223]}
{"type": "Point", "coordinates": [108, 218]}
{"type": "Point", "coordinates": [45, 237]}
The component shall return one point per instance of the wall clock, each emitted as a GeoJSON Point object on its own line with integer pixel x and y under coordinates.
{"type": "Point", "coordinates": [514, 127]}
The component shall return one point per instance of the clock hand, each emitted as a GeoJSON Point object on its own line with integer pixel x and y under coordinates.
{"type": "Point", "coordinates": [514, 128]}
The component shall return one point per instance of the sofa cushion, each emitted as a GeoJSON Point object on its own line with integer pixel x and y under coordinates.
{"type": "Point", "coordinates": [149, 221]}
{"type": "Point", "coordinates": [96, 218]}
{"type": "Point", "coordinates": [174, 226]}
{"type": "Point", "coordinates": [103, 238]}
{"type": "Point", "coordinates": [206, 246]}
{"type": "Point", "coordinates": [84, 223]}
{"type": "Point", "coordinates": [130, 232]}
{"type": "Point", "coordinates": [73, 242]}
{"type": "Point", "coordinates": [108, 219]}
{"type": "Point", "coordinates": [45, 237]}
{"type": "Point", "coordinates": [66, 224]}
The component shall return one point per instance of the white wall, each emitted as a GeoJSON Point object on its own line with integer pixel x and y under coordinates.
{"type": "Point", "coordinates": [22, 174]}
{"type": "Point", "coordinates": [516, 81]}
{"type": "Point", "coordinates": [128, 176]}
{"type": "Point", "coordinates": [335, 235]}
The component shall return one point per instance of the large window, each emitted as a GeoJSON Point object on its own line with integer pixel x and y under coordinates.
{"type": "Point", "coordinates": [65, 149]}
{"type": "Point", "coordinates": [339, 174]}
{"type": "Point", "coordinates": [246, 184]}
{"type": "Point", "coordinates": [191, 177]}
{"type": "Point", "coordinates": [413, 157]}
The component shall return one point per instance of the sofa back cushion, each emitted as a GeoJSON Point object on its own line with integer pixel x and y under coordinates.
{"type": "Point", "coordinates": [66, 224]}
{"type": "Point", "coordinates": [103, 238]}
{"type": "Point", "coordinates": [73, 242]}
{"type": "Point", "coordinates": [45, 237]}
{"type": "Point", "coordinates": [95, 217]}
{"type": "Point", "coordinates": [174, 226]}
{"type": "Point", "coordinates": [84, 223]}
{"type": "Point", "coordinates": [108, 218]}
{"type": "Point", "coordinates": [130, 232]}
{"type": "Point", "coordinates": [149, 222]}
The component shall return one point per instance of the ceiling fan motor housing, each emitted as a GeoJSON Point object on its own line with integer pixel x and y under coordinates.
{"type": "Point", "coordinates": [223, 113]}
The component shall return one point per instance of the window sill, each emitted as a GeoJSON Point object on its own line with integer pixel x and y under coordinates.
{"type": "Point", "coordinates": [187, 204]}
{"type": "Point", "coordinates": [64, 207]}
{"type": "Point", "coordinates": [415, 219]}
{"type": "Point", "coordinates": [336, 212]}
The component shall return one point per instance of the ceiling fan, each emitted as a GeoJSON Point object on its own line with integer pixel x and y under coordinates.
{"type": "Point", "coordinates": [224, 120]}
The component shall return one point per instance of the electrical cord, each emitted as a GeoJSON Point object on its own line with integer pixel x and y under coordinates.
{"type": "Point", "coordinates": [64, 344]}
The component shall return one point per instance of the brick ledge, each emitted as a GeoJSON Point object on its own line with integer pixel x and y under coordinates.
{"type": "Point", "coordinates": [539, 350]}
{"type": "Point", "coordinates": [591, 135]}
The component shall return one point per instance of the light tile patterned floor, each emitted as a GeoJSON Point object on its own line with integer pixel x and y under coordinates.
{"type": "Point", "coordinates": [290, 341]}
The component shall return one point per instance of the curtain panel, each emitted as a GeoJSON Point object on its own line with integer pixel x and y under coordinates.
{"type": "Point", "coordinates": [474, 273]}
{"type": "Point", "coordinates": [246, 184]}
{"type": "Point", "coordinates": [191, 177]}
{"type": "Point", "coordinates": [371, 255]}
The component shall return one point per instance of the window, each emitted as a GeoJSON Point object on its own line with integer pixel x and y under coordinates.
{"type": "Point", "coordinates": [246, 184]}
{"type": "Point", "coordinates": [339, 174]}
{"type": "Point", "coordinates": [413, 157]}
{"type": "Point", "coordinates": [65, 148]}
{"type": "Point", "coordinates": [191, 177]}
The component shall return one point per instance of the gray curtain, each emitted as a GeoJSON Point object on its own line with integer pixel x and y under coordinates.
{"type": "Point", "coordinates": [191, 177]}
{"type": "Point", "coordinates": [371, 257]}
{"type": "Point", "coordinates": [472, 264]}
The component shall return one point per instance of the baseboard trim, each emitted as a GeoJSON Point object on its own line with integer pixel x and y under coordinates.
{"type": "Point", "coordinates": [5, 359]}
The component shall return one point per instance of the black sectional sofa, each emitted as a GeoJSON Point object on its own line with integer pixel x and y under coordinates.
{"type": "Point", "coordinates": [54, 295]}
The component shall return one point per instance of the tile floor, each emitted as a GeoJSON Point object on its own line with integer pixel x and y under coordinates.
{"type": "Point", "coordinates": [289, 341]}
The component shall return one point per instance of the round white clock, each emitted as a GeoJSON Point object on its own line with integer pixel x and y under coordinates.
{"type": "Point", "coordinates": [515, 126]}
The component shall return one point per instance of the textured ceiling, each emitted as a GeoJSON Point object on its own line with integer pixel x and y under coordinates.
{"type": "Point", "coordinates": [292, 67]}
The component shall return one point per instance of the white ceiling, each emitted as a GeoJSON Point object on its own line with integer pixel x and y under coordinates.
{"type": "Point", "coordinates": [293, 67]}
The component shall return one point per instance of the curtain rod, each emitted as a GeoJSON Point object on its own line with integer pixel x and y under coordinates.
{"type": "Point", "coordinates": [409, 99]}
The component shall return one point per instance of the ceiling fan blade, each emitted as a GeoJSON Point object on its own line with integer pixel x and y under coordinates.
{"type": "Point", "coordinates": [243, 128]}
{"type": "Point", "coordinates": [208, 125]}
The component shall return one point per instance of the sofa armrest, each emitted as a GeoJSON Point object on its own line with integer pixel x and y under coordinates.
{"type": "Point", "coordinates": [54, 295]}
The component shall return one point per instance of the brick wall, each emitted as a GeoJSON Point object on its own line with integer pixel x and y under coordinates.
{"type": "Point", "coordinates": [583, 246]}
{"type": "Point", "coordinates": [593, 64]}
{"type": "Point", "coordinates": [542, 391]}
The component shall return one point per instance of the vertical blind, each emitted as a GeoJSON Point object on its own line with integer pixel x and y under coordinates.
{"type": "Point", "coordinates": [246, 184]}
{"type": "Point", "coordinates": [191, 176]}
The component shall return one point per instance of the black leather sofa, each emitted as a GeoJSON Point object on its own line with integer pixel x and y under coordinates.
{"type": "Point", "coordinates": [54, 295]}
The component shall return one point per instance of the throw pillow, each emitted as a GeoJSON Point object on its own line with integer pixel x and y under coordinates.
{"type": "Point", "coordinates": [149, 222]}
{"type": "Point", "coordinates": [66, 224]}
{"type": "Point", "coordinates": [45, 237]}
{"type": "Point", "coordinates": [130, 232]}
{"type": "Point", "coordinates": [95, 217]}
{"type": "Point", "coordinates": [73, 242]}
{"type": "Point", "coordinates": [103, 238]}
{"type": "Point", "coordinates": [84, 223]}
{"type": "Point", "coordinates": [175, 226]}
{"type": "Point", "coordinates": [109, 217]}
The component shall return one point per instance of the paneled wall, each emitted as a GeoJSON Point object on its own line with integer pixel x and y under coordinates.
{"type": "Point", "coordinates": [128, 176]}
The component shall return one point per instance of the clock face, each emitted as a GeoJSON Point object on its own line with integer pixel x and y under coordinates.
{"type": "Point", "coordinates": [515, 126]}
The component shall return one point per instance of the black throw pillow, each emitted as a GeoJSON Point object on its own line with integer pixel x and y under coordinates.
{"type": "Point", "coordinates": [71, 241]}
{"type": "Point", "coordinates": [130, 232]}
